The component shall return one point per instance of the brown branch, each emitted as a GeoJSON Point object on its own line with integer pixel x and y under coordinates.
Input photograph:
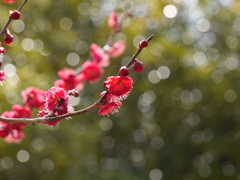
{"type": "Point", "coordinates": [10, 19]}
{"type": "Point", "coordinates": [96, 105]}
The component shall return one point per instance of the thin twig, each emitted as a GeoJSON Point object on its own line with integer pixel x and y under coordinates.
{"type": "Point", "coordinates": [10, 19]}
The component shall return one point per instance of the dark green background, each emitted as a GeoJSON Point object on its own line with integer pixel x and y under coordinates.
{"type": "Point", "coordinates": [183, 127]}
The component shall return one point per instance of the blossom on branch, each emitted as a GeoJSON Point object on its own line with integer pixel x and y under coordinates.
{"type": "Point", "coordinates": [56, 103]}
{"type": "Point", "coordinates": [117, 49]}
{"type": "Point", "coordinates": [98, 56]}
{"type": "Point", "coordinates": [113, 20]}
{"type": "Point", "coordinates": [69, 80]}
{"type": "Point", "coordinates": [33, 97]}
{"type": "Point", "coordinates": [109, 108]}
{"type": "Point", "coordinates": [119, 86]}
{"type": "Point", "coordinates": [91, 72]}
{"type": "Point", "coordinates": [13, 133]}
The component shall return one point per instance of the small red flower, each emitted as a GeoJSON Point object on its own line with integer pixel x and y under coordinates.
{"type": "Point", "coordinates": [99, 57]}
{"type": "Point", "coordinates": [9, 1]}
{"type": "Point", "coordinates": [119, 85]}
{"type": "Point", "coordinates": [117, 49]}
{"type": "Point", "coordinates": [109, 108]}
{"type": "Point", "coordinates": [67, 74]}
{"type": "Point", "coordinates": [34, 98]}
{"type": "Point", "coordinates": [91, 72]}
{"type": "Point", "coordinates": [69, 80]}
{"type": "Point", "coordinates": [113, 20]}
{"type": "Point", "coordinates": [56, 103]}
{"type": "Point", "coordinates": [53, 98]}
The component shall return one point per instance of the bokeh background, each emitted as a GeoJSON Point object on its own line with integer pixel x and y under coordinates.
{"type": "Point", "coordinates": [181, 120]}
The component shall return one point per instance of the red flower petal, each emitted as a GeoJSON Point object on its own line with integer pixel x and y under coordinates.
{"type": "Point", "coordinates": [109, 108]}
{"type": "Point", "coordinates": [119, 85]}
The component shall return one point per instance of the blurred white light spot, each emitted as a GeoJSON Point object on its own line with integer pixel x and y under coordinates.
{"type": "Point", "coordinates": [140, 11]}
{"type": "Point", "coordinates": [79, 129]}
{"type": "Point", "coordinates": [73, 58]}
{"type": "Point", "coordinates": [155, 174]}
{"type": "Point", "coordinates": [206, 158]}
{"type": "Point", "coordinates": [232, 41]}
{"type": "Point", "coordinates": [18, 26]}
{"type": "Point", "coordinates": [83, 8]}
{"type": "Point", "coordinates": [176, 93]}
{"type": "Point", "coordinates": [12, 97]}
{"type": "Point", "coordinates": [154, 76]}
{"type": "Point", "coordinates": [38, 45]}
{"type": "Point", "coordinates": [27, 44]}
{"type": "Point", "coordinates": [23, 156]}
{"type": "Point", "coordinates": [47, 164]}
{"type": "Point", "coordinates": [9, 70]}
{"type": "Point", "coordinates": [139, 136]}
{"type": "Point", "coordinates": [95, 14]}
{"type": "Point", "coordinates": [66, 23]}
{"type": "Point", "coordinates": [108, 142]}
{"type": "Point", "coordinates": [204, 171]}
{"type": "Point", "coordinates": [194, 12]}
{"type": "Point", "coordinates": [149, 97]}
{"type": "Point", "coordinates": [200, 58]}
{"type": "Point", "coordinates": [170, 11]}
{"type": "Point", "coordinates": [195, 95]}
{"type": "Point", "coordinates": [137, 40]}
{"type": "Point", "coordinates": [231, 63]}
{"type": "Point", "coordinates": [74, 100]}
{"type": "Point", "coordinates": [164, 71]}
{"type": "Point", "coordinates": [157, 142]}
{"type": "Point", "coordinates": [203, 25]}
{"type": "Point", "coordinates": [138, 158]}
{"type": "Point", "coordinates": [193, 119]}
{"type": "Point", "coordinates": [7, 163]}
{"type": "Point", "coordinates": [196, 137]}
{"type": "Point", "coordinates": [228, 169]}
{"type": "Point", "coordinates": [156, 49]}
{"type": "Point", "coordinates": [13, 80]}
{"type": "Point", "coordinates": [105, 124]}
{"type": "Point", "coordinates": [38, 25]}
{"type": "Point", "coordinates": [230, 95]}
{"type": "Point", "coordinates": [37, 145]}
{"type": "Point", "coordinates": [217, 76]}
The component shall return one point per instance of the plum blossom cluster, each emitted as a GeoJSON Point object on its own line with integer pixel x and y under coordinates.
{"type": "Point", "coordinates": [32, 98]}
{"type": "Point", "coordinates": [12, 133]}
{"type": "Point", "coordinates": [56, 103]}
{"type": "Point", "coordinates": [92, 70]}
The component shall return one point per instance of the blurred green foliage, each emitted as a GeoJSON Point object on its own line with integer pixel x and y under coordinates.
{"type": "Point", "coordinates": [181, 120]}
